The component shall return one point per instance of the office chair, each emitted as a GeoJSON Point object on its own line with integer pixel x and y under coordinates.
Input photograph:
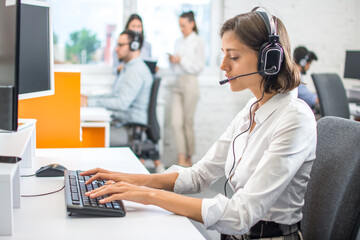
{"type": "Point", "coordinates": [332, 201]}
{"type": "Point", "coordinates": [143, 139]}
{"type": "Point", "coordinates": [332, 95]}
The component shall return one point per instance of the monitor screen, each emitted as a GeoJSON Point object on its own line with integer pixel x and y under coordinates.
{"type": "Point", "coordinates": [36, 76]}
{"type": "Point", "coordinates": [352, 64]}
{"type": "Point", "coordinates": [9, 49]}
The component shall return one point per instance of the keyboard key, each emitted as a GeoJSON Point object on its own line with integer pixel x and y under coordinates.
{"type": "Point", "coordinates": [75, 196]}
{"type": "Point", "coordinates": [73, 189]}
{"type": "Point", "coordinates": [72, 182]}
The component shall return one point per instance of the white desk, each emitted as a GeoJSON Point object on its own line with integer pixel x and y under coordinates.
{"type": "Point", "coordinates": [46, 218]}
{"type": "Point", "coordinates": [96, 117]}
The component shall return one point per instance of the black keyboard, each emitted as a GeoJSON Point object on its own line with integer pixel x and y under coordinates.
{"type": "Point", "coordinates": [77, 202]}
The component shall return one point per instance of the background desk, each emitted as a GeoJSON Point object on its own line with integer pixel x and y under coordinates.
{"type": "Point", "coordinates": [95, 127]}
{"type": "Point", "coordinates": [46, 217]}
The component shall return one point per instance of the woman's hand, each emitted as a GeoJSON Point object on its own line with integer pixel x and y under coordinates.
{"type": "Point", "coordinates": [102, 174]}
{"type": "Point", "coordinates": [182, 205]}
{"type": "Point", "coordinates": [174, 59]}
{"type": "Point", "coordinates": [123, 191]}
{"type": "Point", "coordinates": [83, 100]}
{"type": "Point", "coordinates": [159, 181]}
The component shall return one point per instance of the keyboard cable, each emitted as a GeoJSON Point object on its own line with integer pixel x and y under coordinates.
{"type": "Point", "coordinates": [41, 194]}
{"type": "Point", "coordinates": [44, 194]}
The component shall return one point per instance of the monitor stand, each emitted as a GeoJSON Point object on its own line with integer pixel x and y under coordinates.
{"type": "Point", "coordinates": [13, 147]}
{"type": "Point", "coordinates": [19, 145]}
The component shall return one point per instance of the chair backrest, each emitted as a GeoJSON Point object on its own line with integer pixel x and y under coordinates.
{"type": "Point", "coordinates": [332, 95]}
{"type": "Point", "coordinates": [332, 200]}
{"type": "Point", "coordinates": [153, 132]}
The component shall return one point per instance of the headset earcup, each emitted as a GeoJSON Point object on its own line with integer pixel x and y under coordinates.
{"type": "Point", "coordinates": [261, 60]}
{"type": "Point", "coordinates": [134, 45]}
{"type": "Point", "coordinates": [302, 62]}
{"type": "Point", "coordinates": [270, 55]}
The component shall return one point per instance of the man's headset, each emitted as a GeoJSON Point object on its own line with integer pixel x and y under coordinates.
{"type": "Point", "coordinates": [135, 43]}
{"type": "Point", "coordinates": [304, 60]}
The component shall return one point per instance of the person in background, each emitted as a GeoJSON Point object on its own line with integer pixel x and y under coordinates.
{"type": "Point", "coordinates": [131, 90]}
{"type": "Point", "coordinates": [135, 24]}
{"type": "Point", "coordinates": [266, 153]}
{"type": "Point", "coordinates": [188, 61]}
{"type": "Point", "coordinates": [130, 94]}
{"type": "Point", "coordinates": [303, 59]}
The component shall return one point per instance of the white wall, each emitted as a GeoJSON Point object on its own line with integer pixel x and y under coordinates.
{"type": "Point", "coordinates": [327, 27]}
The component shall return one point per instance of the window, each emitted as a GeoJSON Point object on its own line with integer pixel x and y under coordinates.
{"type": "Point", "coordinates": [85, 30]}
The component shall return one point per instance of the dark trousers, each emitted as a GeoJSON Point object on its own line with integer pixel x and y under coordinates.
{"type": "Point", "coordinates": [265, 229]}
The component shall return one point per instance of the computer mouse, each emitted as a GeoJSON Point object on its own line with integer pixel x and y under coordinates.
{"type": "Point", "coordinates": [51, 170]}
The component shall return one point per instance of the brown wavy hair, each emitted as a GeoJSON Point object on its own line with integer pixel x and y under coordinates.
{"type": "Point", "coordinates": [252, 31]}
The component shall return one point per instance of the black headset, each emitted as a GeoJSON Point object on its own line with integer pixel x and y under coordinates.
{"type": "Point", "coordinates": [271, 53]}
{"type": "Point", "coordinates": [135, 43]}
{"type": "Point", "coordinates": [303, 61]}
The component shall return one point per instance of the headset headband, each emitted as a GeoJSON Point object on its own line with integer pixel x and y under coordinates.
{"type": "Point", "coordinates": [269, 20]}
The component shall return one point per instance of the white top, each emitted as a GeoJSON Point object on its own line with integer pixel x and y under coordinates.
{"type": "Point", "coordinates": [191, 50]}
{"type": "Point", "coordinates": [272, 168]}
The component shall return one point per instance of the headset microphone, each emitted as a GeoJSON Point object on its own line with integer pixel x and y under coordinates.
{"type": "Point", "coordinates": [222, 82]}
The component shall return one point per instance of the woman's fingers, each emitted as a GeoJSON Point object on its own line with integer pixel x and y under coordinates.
{"type": "Point", "coordinates": [104, 190]}
{"type": "Point", "coordinates": [93, 171]}
{"type": "Point", "coordinates": [100, 176]}
{"type": "Point", "coordinates": [111, 198]}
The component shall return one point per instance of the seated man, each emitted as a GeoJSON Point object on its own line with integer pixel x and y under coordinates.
{"type": "Point", "coordinates": [130, 94]}
{"type": "Point", "coordinates": [303, 59]}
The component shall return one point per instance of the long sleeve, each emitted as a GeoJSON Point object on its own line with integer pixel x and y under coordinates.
{"type": "Point", "coordinates": [207, 170]}
{"type": "Point", "coordinates": [192, 55]}
{"type": "Point", "coordinates": [126, 91]}
{"type": "Point", "coordinates": [306, 95]}
{"type": "Point", "coordinates": [291, 144]}
{"type": "Point", "coordinates": [130, 95]}
{"type": "Point", "coordinates": [272, 167]}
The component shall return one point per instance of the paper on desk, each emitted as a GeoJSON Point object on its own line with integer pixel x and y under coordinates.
{"type": "Point", "coordinates": [14, 143]}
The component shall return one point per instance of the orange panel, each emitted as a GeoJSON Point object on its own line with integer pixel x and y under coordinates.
{"type": "Point", "coordinates": [93, 137]}
{"type": "Point", "coordinates": [58, 116]}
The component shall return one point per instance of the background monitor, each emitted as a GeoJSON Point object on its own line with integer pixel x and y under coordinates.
{"type": "Point", "coordinates": [36, 76]}
{"type": "Point", "coordinates": [9, 50]}
{"type": "Point", "coordinates": [352, 64]}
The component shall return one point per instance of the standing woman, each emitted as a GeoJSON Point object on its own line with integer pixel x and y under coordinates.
{"type": "Point", "coordinates": [135, 24]}
{"type": "Point", "coordinates": [188, 61]}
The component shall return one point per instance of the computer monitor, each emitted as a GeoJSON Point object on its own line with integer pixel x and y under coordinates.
{"type": "Point", "coordinates": [36, 76]}
{"type": "Point", "coordinates": [9, 57]}
{"type": "Point", "coordinates": [352, 63]}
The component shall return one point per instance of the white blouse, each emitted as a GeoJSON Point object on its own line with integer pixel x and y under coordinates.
{"type": "Point", "coordinates": [191, 50]}
{"type": "Point", "coordinates": [272, 168]}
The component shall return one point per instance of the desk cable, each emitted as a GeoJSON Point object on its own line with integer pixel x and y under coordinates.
{"type": "Point", "coordinates": [44, 194]}
{"type": "Point", "coordinates": [41, 194]}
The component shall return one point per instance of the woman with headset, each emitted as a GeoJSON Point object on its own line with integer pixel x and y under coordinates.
{"type": "Point", "coordinates": [266, 153]}
{"type": "Point", "coordinates": [188, 61]}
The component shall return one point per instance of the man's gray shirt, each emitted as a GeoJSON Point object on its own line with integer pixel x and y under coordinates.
{"type": "Point", "coordinates": [130, 95]}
